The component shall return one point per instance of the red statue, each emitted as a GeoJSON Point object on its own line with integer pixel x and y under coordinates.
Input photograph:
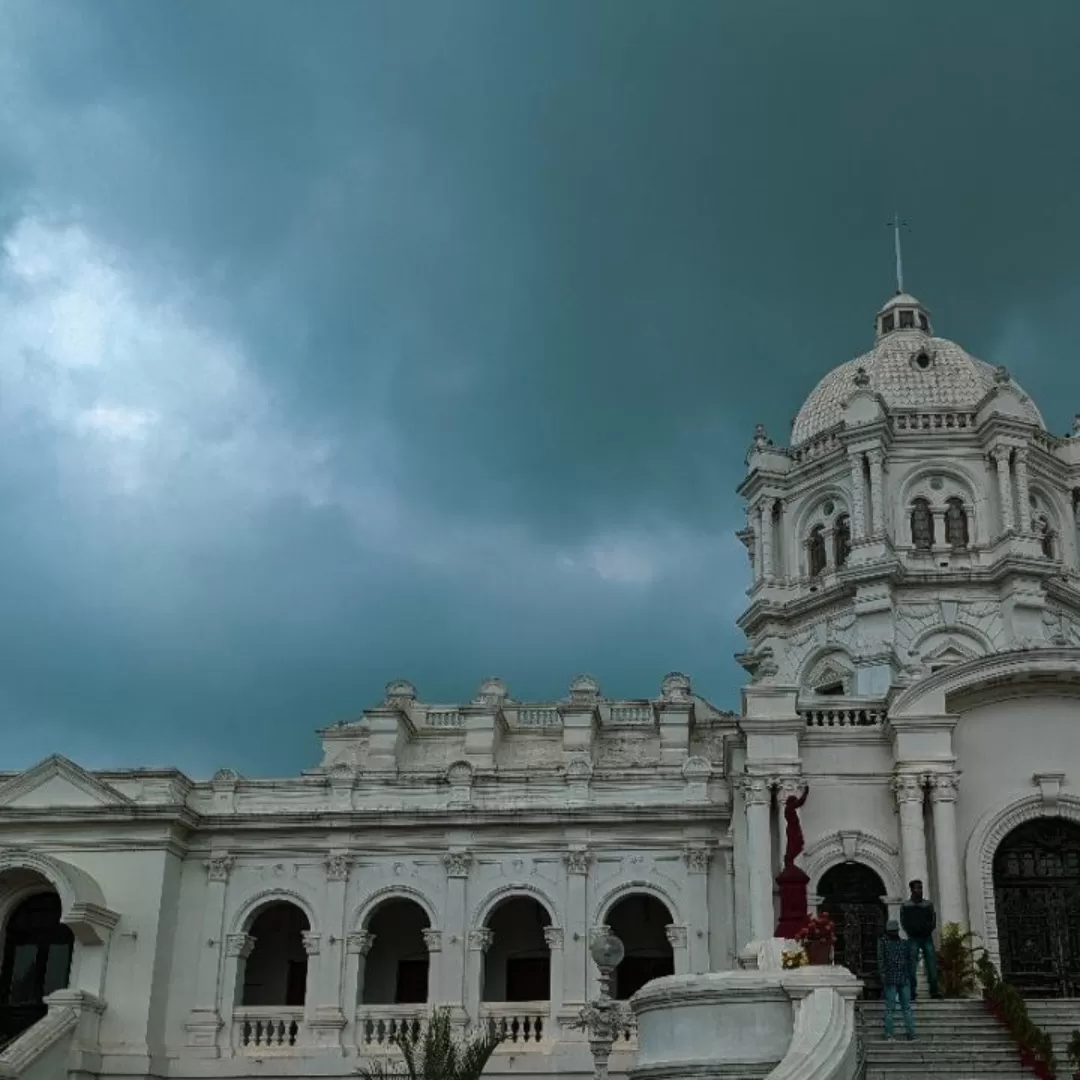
{"type": "Point", "coordinates": [795, 840]}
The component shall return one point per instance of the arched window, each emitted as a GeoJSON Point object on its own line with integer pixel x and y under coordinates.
{"type": "Point", "coordinates": [922, 525]}
{"type": "Point", "coordinates": [640, 922]}
{"type": "Point", "coordinates": [816, 545]}
{"type": "Point", "coordinates": [396, 968]}
{"type": "Point", "coordinates": [517, 966]}
{"type": "Point", "coordinates": [36, 961]}
{"type": "Point", "coordinates": [956, 523]}
{"type": "Point", "coordinates": [842, 539]}
{"type": "Point", "coordinates": [852, 894]}
{"type": "Point", "coordinates": [275, 972]}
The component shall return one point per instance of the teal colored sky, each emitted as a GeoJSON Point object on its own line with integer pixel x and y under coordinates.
{"type": "Point", "coordinates": [349, 340]}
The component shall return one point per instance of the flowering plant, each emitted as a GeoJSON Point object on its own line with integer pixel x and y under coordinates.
{"type": "Point", "coordinates": [818, 928]}
{"type": "Point", "coordinates": [792, 958]}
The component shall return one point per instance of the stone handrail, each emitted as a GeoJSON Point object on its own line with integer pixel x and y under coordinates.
{"type": "Point", "coordinates": [380, 1026]}
{"type": "Point", "coordinates": [42, 1052]}
{"type": "Point", "coordinates": [523, 1023]}
{"type": "Point", "coordinates": [823, 1044]}
{"type": "Point", "coordinates": [269, 1029]}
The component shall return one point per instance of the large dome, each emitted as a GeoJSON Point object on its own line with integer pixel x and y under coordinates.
{"type": "Point", "coordinates": [909, 367]}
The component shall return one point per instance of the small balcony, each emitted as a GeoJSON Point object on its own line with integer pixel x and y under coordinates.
{"type": "Point", "coordinates": [521, 1025]}
{"type": "Point", "coordinates": [268, 1030]}
{"type": "Point", "coordinates": [378, 1027]}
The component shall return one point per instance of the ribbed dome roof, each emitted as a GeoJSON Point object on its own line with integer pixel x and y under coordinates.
{"type": "Point", "coordinates": [909, 368]}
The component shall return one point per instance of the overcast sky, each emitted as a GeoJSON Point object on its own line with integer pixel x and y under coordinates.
{"type": "Point", "coordinates": [346, 341]}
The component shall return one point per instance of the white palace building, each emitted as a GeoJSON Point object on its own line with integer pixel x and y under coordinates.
{"type": "Point", "coordinates": [913, 657]}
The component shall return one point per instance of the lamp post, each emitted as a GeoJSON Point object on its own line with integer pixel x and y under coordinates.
{"type": "Point", "coordinates": [605, 1017]}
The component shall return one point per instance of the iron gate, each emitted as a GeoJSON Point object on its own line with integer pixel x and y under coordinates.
{"type": "Point", "coordinates": [851, 894]}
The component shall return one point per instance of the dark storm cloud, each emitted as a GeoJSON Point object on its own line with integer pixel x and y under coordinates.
{"type": "Point", "coordinates": [356, 340]}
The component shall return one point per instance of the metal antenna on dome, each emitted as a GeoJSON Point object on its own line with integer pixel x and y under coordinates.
{"type": "Point", "coordinates": [896, 225]}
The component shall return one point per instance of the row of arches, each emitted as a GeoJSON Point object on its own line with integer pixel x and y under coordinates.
{"type": "Point", "coordinates": [517, 958]}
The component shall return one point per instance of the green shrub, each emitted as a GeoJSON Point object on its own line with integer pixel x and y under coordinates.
{"type": "Point", "coordinates": [957, 960]}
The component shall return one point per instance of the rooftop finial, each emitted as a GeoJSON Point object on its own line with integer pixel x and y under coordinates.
{"type": "Point", "coordinates": [896, 225]}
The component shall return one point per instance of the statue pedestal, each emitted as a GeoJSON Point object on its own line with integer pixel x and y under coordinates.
{"type": "Point", "coordinates": [793, 884]}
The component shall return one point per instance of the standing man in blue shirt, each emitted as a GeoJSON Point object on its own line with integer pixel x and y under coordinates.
{"type": "Point", "coordinates": [919, 919]}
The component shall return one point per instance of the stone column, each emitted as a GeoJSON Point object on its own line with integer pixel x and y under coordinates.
{"type": "Point", "coordinates": [479, 943]}
{"type": "Point", "coordinates": [204, 1021]}
{"type": "Point", "coordinates": [329, 1018]}
{"type": "Point", "coordinates": [677, 939]}
{"type": "Point", "coordinates": [908, 789]}
{"type": "Point", "coordinates": [1000, 457]}
{"type": "Point", "coordinates": [697, 907]}
{"type": "Point", "coordinates": [433, 944]}
{"type": "Point", "coordinates": [237, 950]}
{"type": "Point", "coordinates": [759, 545]}
{"type": "Point", "coordinates": [858, 501]}
{"type": "Point", "coordinates": [1023, 494]}
{"type": "Point", "coordinates": [576, 949]}
{"type": "Point", "coordinates": [757, 796]}
{"type": "Point", "coordinates": [357, 946]}
{"type": "Point", "coordinates": [453, 993]}
{"type": "Point", "coordinates": [553, 938]}
{"type": "Point", "coordinates": [943, 789]}
{"type": "Point", "coordinates": [876, 458]}
{"type": "Point", "coordinates": [765, 519]}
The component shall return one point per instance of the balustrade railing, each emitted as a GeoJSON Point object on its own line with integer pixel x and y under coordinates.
{"type": "Point", "coordinates": [845, 716]}
{"type": "Point", "coordinates": [523, 1024]}
{"type": "Point", "coordinates": [378, 1027]}
{"type": "Point", "coordinates": [268, 1030]}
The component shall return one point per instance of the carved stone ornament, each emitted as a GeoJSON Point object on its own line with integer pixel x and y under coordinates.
{"type": "Point", "coordinates": [432, 940]}
{"type": "Point", "coordinates": [312, 942]}
{"type": "Point", "coordinates": [359, 942]}
{"type": "Point", "coordinates": [756, 790]}
{"type": "Point", "coordinates": [460, 774]}
{"type": "Point", "coordinates": [697, 769]}
{"type": "Point", "coordinates": [675, 687]}
{"type": "Point", "coordinates": [239, 945]}
{"type": "Point", "coordinates": [337, 866]}
{"type": "Point", "coordinates": [579, 769]}
{"type": "Point", "coordinates": [697, 859]}
{"type": "Point", "coordinates": [943, 787]}
{"type": "Point", "coordinates": [577, 860]}
{"type": "Point", "coordinates": [676, 936]}
{"type": "Point", "coordinates": [226, 776]}
{"type": "Point", "coordinates": [908, 788]}
{"type": "Point", "coordinates": [492, 691]}
{"type": "Point", "coordinates": [400, 693]}
{"type": "Point", "coordinates": [553, 936]}
{"type": "Point", "coordinates": [584, 690]}
{"type": "Point", "coordinates": [218, 867]}
{"type": "Point", "coordinates": [790, 787]}
{"type": "Point", "coordinates": [481, 940]}
{"type": "Point", "coordinates": [457, 863]}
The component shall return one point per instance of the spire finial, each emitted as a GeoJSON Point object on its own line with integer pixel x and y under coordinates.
{"type": "Point", "coordinates": [896, 225]}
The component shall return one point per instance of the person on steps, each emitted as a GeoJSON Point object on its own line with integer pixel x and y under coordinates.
{"type": "Point", "coordinates": [894, 964]}
{"type": "Point", "coordinates": [919, 919]}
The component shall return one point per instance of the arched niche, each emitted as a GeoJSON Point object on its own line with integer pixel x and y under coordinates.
{"type": "Point", "coordinates": [644, 925]}
{"type": "Point", "coordinates": [274, 972]}
{"type": "Point", "coordinates": [397, 966]}
{"type": "Point", "coordinates": [853, 894]}
{"type": "Point", "coordinates": [517, 959]}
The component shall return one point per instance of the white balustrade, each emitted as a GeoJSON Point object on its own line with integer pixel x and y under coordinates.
{"type": "Point", "coordinates": [270, 1029]}
{"type": "Point", "coordinates": [521, 1024]}
{"type": "Point", "coordinates": [378, 1027]}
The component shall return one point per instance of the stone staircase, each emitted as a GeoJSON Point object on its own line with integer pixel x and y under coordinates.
{"type": "Point", "coordinates": [955, 1040]}
{"type": "Point", "coordinates": [1060, 1017]}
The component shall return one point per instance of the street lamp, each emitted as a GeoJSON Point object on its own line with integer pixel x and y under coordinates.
{"type": "Point", "coordinates": [604, 1018]}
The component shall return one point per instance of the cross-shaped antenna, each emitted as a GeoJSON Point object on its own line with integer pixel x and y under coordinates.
{"type": "Point", "coordinates": [896, 225]}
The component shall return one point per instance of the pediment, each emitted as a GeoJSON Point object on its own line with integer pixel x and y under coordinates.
{"type": "Point", "coordinates": [58, 783]}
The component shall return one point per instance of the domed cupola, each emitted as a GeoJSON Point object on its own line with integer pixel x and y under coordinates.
{"type": "Point", "coordinates": [902, 313]}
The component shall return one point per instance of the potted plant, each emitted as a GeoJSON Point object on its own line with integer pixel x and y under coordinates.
{"type": "Point", "coordinates": [957, 960]}
{"type": "Point", "coordinates": [1072, 1052]}
{"type": "Point", "coordinates": [818, 936]}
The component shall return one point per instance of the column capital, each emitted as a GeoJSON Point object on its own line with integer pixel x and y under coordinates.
{"type": "Point", "coordinates": [239, 945]}
{"type": "Point", "coordinates": [790, 787]}
{"type": "Point", "coordinates": [1021, 453]}
{"type": "Point", "coordinates": [908, 788]}
{"type": "Point", "coordinates": [577, 860]}
{"type": "Point", "coordinates": [359, 943]}
{"type": "Point", "coordinates": [312, 942]}
{"type": "Point", "coordinates": [480, 940]}
{"type": "Point", "coordinates": [337, 865]}
{"type": "Point", "coordinates": [676, 936]}
{"type": "Point", "coordinates": [875, 455]}
{"type": "Point", "coordinates": [943, 786]}
{"type": "Point", "coordinates": [218, 867]}
{"type": "Point", "coordinates": [756, 790]}
{"type": "Point", "coordinates": [1000, 454]}
{"type": "Point", "coordinates": [553, 937]}
{"type": "Point", "coordinates": [432, 940]}
{"type": "Point", "coordinates": [697, 858]}
{"type": "Point", "coordinates": [457, 863]}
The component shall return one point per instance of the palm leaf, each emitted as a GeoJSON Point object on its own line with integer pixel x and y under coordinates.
{"type": "Point", "coordinates": [431, 1052]}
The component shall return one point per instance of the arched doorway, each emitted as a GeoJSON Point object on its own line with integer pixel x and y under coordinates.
{"type": "Point", "coordinates": [640, 922]}
{"type": "Point", "coordinates": [852, 894]}
{"type": "Point", "coordinates": [275, 973]}
{"type": "Point", "coordinates": [36, 961]}
{"type": "Point", "coordinates": [1037, 896]}
{"type": "Point", "coordinates": [397, 965]}
{"type": "Point", "coordinates": [517, 965]}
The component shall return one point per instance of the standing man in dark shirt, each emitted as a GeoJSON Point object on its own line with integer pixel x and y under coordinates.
{"type": "Point", "coordinates": [919, 919]}
{"type": "Point", "coordinates": [894, 964]}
